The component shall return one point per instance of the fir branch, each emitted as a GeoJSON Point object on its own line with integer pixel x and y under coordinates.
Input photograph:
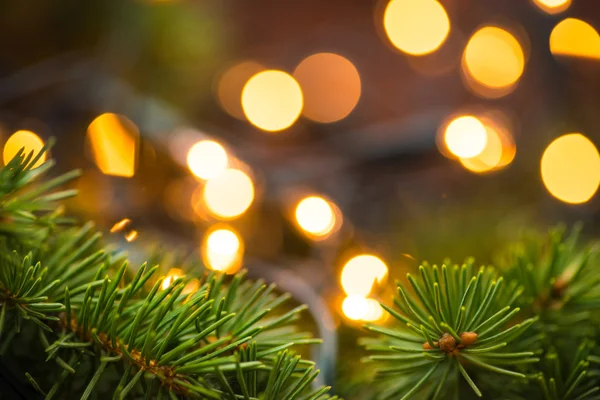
{"type": "Point", "coordinates": [458, 319]}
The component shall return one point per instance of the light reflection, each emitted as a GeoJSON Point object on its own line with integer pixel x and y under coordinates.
{"type": "Point", "coordinates": [119, 226]}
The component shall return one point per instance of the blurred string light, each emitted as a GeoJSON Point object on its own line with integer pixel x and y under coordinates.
{"type": "Point", "coordinates": [575, 38]}
{"type": "Point", "coordinates": [316, 216]}
{"type": "Point", "coordinates": [231, 83]}
{"type": "Point", "coordinates": [361, 273]}
{"type": "Point", "coordinates": [493, 61]}
{"type": "Point", "coordinates": [119, 226]}
{"type": "Point", "coordinates": [131, 235]}
{"type": "Point", "coordinates": [172, 276]}
{"type": "Point", "coordinates": [175, 273]}
{"type": "Point", "coordinates": [552, 6]}
{"type": "Point", "coordinates": [26, 140]}
{"type": "Point", "coordinates": [229, 194]}
{"type": "Point", "coordinates": [114, 141]}
{"type": "Point", "coordinates": [359, 308]}
{"type": "Point", "coordinates": [331, 86]}
{"type": "Point", "coordinates": [570, 168]}
{"type": "Point", "coordinates": [464, 137]}
{"type": "Point", "coordinates": [222, 250]}
{"type": "Point", "coordinates": [272, 100]}
{"type": "Point", "coordinates": [499, 150]}
{"type": "Point", "coordinates": [416, 27]}
{"type": "Point", "coordinates": [206, 159]}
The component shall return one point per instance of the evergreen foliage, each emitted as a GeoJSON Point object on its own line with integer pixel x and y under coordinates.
{"type": "Point", "coordinates": [78, 321]}
{"type": "Point", "coordinates": [525, 330]}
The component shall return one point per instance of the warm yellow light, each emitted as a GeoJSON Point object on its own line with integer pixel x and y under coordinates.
{"type": "Point", "coordinates": [272, 100]}
{"type": "Point", "coordinates": [374, 311]}
{"type": "Point", "coordinates": [355, 307]}
{"type": "Point", "coordinates": [361, 272]}
{"type": "Point", "coordinates": [499, 151]}
{"type": "Point", "coordinates": [232, 82]}
{"type": "Point", "coordinates": [26, 140]}
{"type": "Point", "coordinates": [494, 58]}
{"type": "Point", "coordinates": [119, 226]}
{"type": "Point", "coordinates": [571, 168]}
{"type": "Point", "coordinates": [222, 250]}
{"type": "Point", "coordinates": [131, 235]}
{"type": "Point", "coordinates": [207, 159]}
{"type": "Point", "coordinates": [114, 141]}
{"type": "Point", "coordinates": [416, 27]}
{"type": "Point", "coordinates": [552, 6]}
{"type": "Point", "coordinates": [315, 216]}
{"type": "Point", "coordinates": [575, 38]}
{"type": "Point", "coordinates": [229, 194]}
{"type": "Point", "coordinates": [191, 287]}
{"type": "Point", "coordinates": [331, 86]}
{"type": "Point", "coordinates": [172, 276]}
{"type": "Point", "coordinates": [465, 136]}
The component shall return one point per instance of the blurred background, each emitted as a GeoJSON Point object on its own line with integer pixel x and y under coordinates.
{"type": "Point", "coordinates": [328, 146]}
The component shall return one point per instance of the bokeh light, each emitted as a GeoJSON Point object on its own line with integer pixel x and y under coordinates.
{"type": "Point", "coordinates": [331, 86]}
{"type": "Point", "coordinates": [222, 250]}
{"type": "Point", "coordinates": [119, 226]}
{"type": "Point", "coordinates": [552, 6]}
{"type": "Point", "coordinates": [231, 83]}
{"type": "Point", "coordinates": [499, 150]}
{"type": "Point", "coordinates": [131, 235]}
{"type": "Point", "coordinates": [26, 140]}
{"type": "Point", "coordinates": [114, 141]}
{"type": "Point", "coordinates": [172, 276]}
{"type": "Point", "coordinates": [575, 38]}
{"type": "Point", "coordinates": [570, 168]}
{"type": "Point", "coordinates": [416, 27]}
{"type": "Point", "coordinates": [493, 58]}
{"type": "Point", "coordinates": [272, 100]}
{"type": "Point", "coordinates": [206, 159]}
{"type": "Point", "coordinates": [316, 216]}
{"type": "Point", "coordinates": [374, 311]}
{"type": "Point", "coordinates": [465, 136]}
{"type": "Point", "coordinates": [361, 273]}
{"type": "Point", "coordinates": [229, 194]}
{"type": "Point", "coordinates": [355, 307]}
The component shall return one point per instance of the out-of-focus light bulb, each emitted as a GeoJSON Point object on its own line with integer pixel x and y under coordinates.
{"type": "Point", "coordinates": [465, 136]}
{"type": "Point", "coordinates": [230, 86]}
{"type": "Point", "coordinates": [552, 6]}
{"type": "Point", "coordinates": [114, 140]}
{"type": "Point", "coordinates": [355, 307]}
{"type": "Point", "coordinates": [207, 159]}
{"type": "Point", "coordinates": [172, 276]}
{"type": "Point", "coordinates": [570, 168]}
{"type": "Point", "coordinates": [27, 140]}
{"type": "Point", "coordinates": [494, 58]}
{"type": "Point", "coordinates": [331, 86]}
{"type": "Point", "coordinates": [272, 100]}
{"type": "Point", "coordinates": [375, 311]}
{"type": "Point", "coordinates": [229, 194]}
{"type": "Point", "coordinates": [361, 273]}
{"type": "Point", "coordinates": [222, 250]}
{"type": "Point", "coordinates": [573, 37]}
{"type": "Point", "coordinates": [416, 27]}
{"type": "Point", "coordinates": [315, 215]}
